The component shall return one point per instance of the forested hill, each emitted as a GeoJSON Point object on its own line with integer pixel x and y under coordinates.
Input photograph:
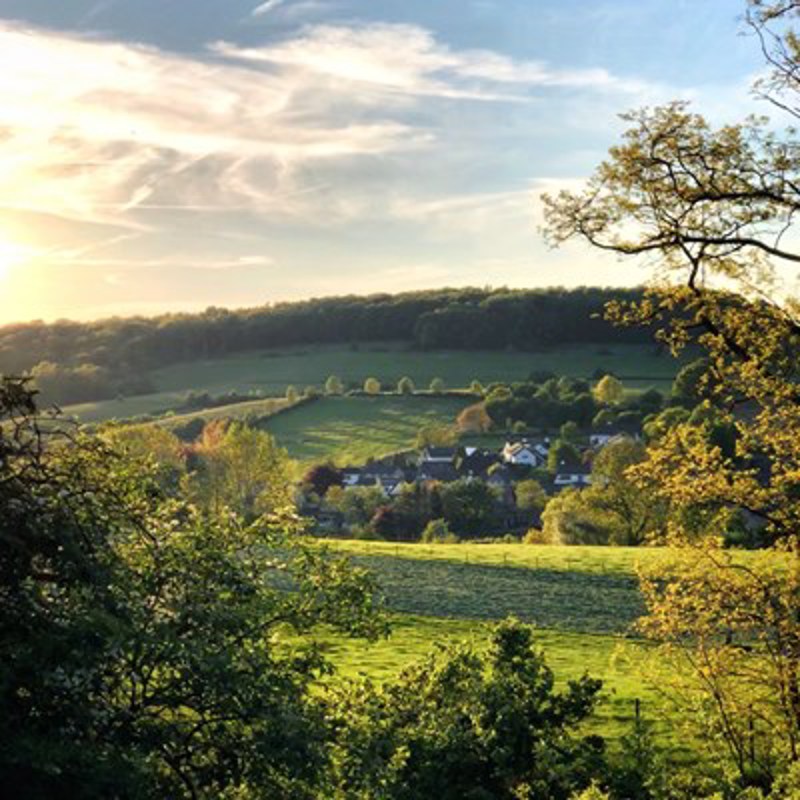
{"type": "Point", "coordinates": [446, 318]}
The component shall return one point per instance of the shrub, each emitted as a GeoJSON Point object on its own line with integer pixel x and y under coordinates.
{"type": "Point", "coordinates": [437, 531]}
{"type": "Point", "coordinates": [405, 385]}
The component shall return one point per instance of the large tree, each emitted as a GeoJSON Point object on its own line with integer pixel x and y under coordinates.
{"type": "Point", "coordinates": [713, 209]}
{"type": "Point", "coordinates": [152, 648]}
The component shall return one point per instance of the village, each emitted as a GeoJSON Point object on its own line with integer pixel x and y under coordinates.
{"type": "Point", "coordinates": [508, 485]}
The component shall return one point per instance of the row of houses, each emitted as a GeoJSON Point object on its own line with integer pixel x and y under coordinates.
{"type": "Point", "coordinates": [498, 468]}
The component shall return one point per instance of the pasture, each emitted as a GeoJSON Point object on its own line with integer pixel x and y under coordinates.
{"type": "Point", "coordinates": [554, 558]}
{"type": "Point", "coordinates": [584, 602]}
{"type": "Point", "coordinates": [617, 661]}
{"type": "Point", "coordinates": [350, 430]}
{"type": "Point", "coordinates": [269, 372]}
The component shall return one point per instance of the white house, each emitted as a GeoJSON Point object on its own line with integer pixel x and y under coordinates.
{"type": "Point", "coordinates": [572, 473]}
{"type": "Point", "coordinates": [569, 478]}
{"type": "Point", "coordinates": [523, 453]}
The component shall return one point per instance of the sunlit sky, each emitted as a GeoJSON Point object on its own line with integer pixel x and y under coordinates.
{"type": "Point", "coordinates": [164, 155]}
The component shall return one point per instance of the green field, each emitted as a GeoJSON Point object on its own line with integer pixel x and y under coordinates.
{"type": "Point", "coordinates": [269, 372]}
{"type": "Point", "coordinates": [583, 600]}
{"type": "Point", "coordinates": [350, 430]}
{"type": "Point", "coordinates": [616, 660]}
{"type": "Point", "coordinates": [258, 408]}
{"type": "Point", "coordinates": [556, 558]}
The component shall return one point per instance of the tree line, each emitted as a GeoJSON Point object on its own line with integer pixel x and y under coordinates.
{"type": "Point", "coordinates": [119, 352]}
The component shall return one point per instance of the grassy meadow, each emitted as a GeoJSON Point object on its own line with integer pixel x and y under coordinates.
{"type": "Point", "coordinates": [269, 372]}
{"type": "Point", "coordinates": [353, 429]}
{"type": "Point", "coordinates": [619, 662]}
{"type": "Point", "coordinates": [583, 600]}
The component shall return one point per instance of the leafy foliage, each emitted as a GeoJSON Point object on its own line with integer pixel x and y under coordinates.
{"type": "Point", "coordinates": [148, 644]}
{"type": "Point", "coordinates": [713, 207]}
{"type": "Point", "coordinates": [462, 725]}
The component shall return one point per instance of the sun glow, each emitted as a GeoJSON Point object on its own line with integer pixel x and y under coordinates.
{"type": "Point", "coordinates": [11, 255]}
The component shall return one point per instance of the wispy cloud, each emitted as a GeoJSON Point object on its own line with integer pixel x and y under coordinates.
{"type": "Point", "coordinates": [265, 8]}
{"type": "Point", "coordinates": [93, 130]}
{"type": "Point", "coordinates": [408, 58]}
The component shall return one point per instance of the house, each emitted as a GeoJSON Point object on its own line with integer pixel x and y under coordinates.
{"type": "Point", "coordinates": [523, 454]}
{"type": "Point", "coordinates": [600, 438]}
{"type": "Point", "coordinates": [572, 473]}
{"type": "Point", "coordinates": [438, 455]}
{"type": "Point", "coordinates": [437, 471]}
{"type": "Point", "coordinates": [350, 476]}
{"type": "Point", "coordinates": [476, 463]}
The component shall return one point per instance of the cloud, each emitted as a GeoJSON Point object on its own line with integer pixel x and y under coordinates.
{"type": "Point", "coordinates": [408, 58]}
{"type": "Point", "coordinates": [114, 133]}
{"type": "Point", "coordinates": [93, 130]}
{"type": "Point", "coordinates": [331, 129]}
{"type": "Point", "coordinates": [265, 8]}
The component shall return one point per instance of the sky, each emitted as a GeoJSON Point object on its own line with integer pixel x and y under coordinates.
{"type": "Point", "coordinates": [170, 155]}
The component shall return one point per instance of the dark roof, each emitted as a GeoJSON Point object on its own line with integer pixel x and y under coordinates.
{"type": "Point", "coordinates": [436, 471]}
{"type": "Point", "coordinates": [382, 471]}
{"type": "Point", "coordinates": [567, 467]}
{"type": "Point", "coordinates": [500, 476]}
{"type": "Point", "coordinates": [478, 462]}
{"type": "Point", "coordinates": [365, 480]}
{"type": "Point", "coordinates": [440, 452]}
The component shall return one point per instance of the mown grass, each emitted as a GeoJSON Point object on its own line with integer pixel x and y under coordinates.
{"type": "Point", "coordinates": [617, 661]}
{"type": "Point", "coordinates": [271, 371]}
{"type": "Point", "coordinates": [583, 600]}
{"type": "Point", "coordinates": [587, 602]}
{"type": "Point", "coordinates": [349, 430]}
{"type": "Point", "coordinates": [258, 408]}
{"type": "Point", "coordinates": [556, 558]}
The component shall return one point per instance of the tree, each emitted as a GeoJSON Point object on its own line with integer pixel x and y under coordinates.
{"type": "Point", "coordinates": [568, 519]}
{"type": "Point", "coordinates": [291, 394]}
{"type": "Point", "coordinates": [561, 452]}
{"type": "Point", "coordinates": [604, 418]}
{"type": "Point", "coordinates": [152, 445]}
{"type": "Point", "coordinates": [240, 468]}
{"type": "Point", "coordinates": [609, 391]}
{"type": "Point", "coordinates": [744, 636]}
{"type": "Point", "coordinates": [465, 723]}
{"type": "Point", "coordinates": [437, 531]}
{"type": "Point", "coordinates": [569, 432]}
{"type": "Point", "coordinates": [688, 386]}
{"type": "Point", "coordinates": [334, 385]}
{"type": "Point", "coordinates": [476, 388]}
{"type": "Point", "coordinates": [636, 513]}
{"type": "Point", "coordinates": [714, 207]}
{"type": "Point", "coordinates": [151, 649]}
{"type": "Point", "coordinates": [436, 435]}
{"type": "Point", "coordinates": [474, 419]}
{"type": "Point", "coordinates": [372, 386]}
{"type": "Point", "coordinates": [468, 507]}
{"type": "Point", "coordinates": [405, 386]}
{"type": "Point", "coordinates": [358, 504]}
{"type": "Point", "coordinates": [530, 495]}
{"type": "Point", "coordinates": [322, 477]}
{"type": "Point", "coordinates": [437, 386]}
